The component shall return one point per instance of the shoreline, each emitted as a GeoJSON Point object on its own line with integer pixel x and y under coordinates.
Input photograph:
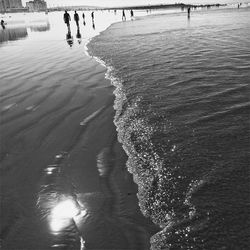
{"type": "Point", "coordinates": [135, 7]}
{"type": "Point", "coordinates": [145, 225]}
{"type": "Point", "coordinates": [163, 177]}
{"type": "Point", "coordinates": [178, 116]}
{"type": "Point", "coordinates": [68, 114]}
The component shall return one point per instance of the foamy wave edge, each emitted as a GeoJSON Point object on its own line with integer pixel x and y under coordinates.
{"type": "Point", "coordinates": [120, 98]}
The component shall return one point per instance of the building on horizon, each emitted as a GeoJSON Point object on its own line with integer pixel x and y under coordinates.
{"type": "Point", "coordinates": [2, 8]}
{"type": "Point", "coordinates": [36, 5]}
{"type": "Point", "coordinates": [11, 6]}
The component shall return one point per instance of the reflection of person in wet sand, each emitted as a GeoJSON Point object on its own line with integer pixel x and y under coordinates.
{"type": "Point", "coordinates": [66, 18]}
{"type": "Point", "coordinates": [93, 20]}
{"type": "Point", "coordinates": [78, 35]}
{"type": "Point", "coordinates": [76, 18]}
{"type": "Point", "coordinates": [123, 16]}
{"type": "Point", "coordinates": [83, 16]}
{"type": "Point", "coordinates": [69, 38]}
{"type": "Point", "coordinates": [12, 35]}
{"type": "Point", "coordinates": [2, 24]}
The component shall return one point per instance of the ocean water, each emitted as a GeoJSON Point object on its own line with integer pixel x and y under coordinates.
{"type": "Point", "coordinates": [182, 114]}
{"type": "Point", "coordinates": [58, 141]}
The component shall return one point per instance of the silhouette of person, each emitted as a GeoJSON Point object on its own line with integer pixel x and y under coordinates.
{"type": "Point", "coordinates": [123, 16]}
{"type": "Point", "coordinates": [2, 24]}
{"type": "Point", "coordinates": [188, 11]}
{"type": "Point", "coordinates": [69, 38]}
{"type": "Point", "coordinates": [66, 18]}
{"type": "Point", "coordinates": [92, 16]}
{"type": "Point", "coordinates": [76, 18]}
{"type": "Point", "coordinates": [78, 35]}
{"type": "Point", "coordinates": [132, 14]}
{"type": "Point", "coordinates": [93, 25]}
{"type": "Point", "coordinates": [83, 16]}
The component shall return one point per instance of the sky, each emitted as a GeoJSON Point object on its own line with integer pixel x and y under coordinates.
{"type": "Point", "coordinates": [110, 3]}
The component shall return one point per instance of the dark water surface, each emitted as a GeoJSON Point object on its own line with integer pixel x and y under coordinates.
{"type": "Point", "coordinates": [182, 115]}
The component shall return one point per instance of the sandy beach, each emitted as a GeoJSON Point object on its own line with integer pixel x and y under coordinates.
{"type": "Point", "coordinates": [58, 140]}
{"type": "Point", "coordinates": [142, 146]}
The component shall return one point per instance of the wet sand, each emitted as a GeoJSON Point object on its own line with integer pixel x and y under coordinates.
{"type": "Point", "coordinates": [58, 140]}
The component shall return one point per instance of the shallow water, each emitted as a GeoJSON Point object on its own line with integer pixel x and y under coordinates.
{"type": "Point", "coordinates": [182, 115]}
{"type": "Point", "coordinates": [58, 142]}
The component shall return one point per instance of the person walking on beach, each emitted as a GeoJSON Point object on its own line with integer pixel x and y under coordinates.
{"type": "Point", "coordinates": [132, 14]}
{"type": "Point", "coordinates": [83, 16]}
{"type": "Point", "coordinates": [123, 16]}
{"type": "Point", "coordinates": [2, 24]}
{"type": "Point", "coordinates": [76, 18]}
{"type": "Point", "coordinates": [188, 11]}
{"type": "Point", "coordinates": [66, 18]}
{"type": "Point", "coordinates": [92, 16]}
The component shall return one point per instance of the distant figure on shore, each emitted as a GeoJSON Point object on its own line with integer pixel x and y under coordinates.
{"type": "Point", "coordinates": [76, 18]}
{"type": "Point", "coordinates": [83, 16]}
{"type": "Point", "coordinates": [132, 14]}
{"type": "Point", "coordinates": [92, 16]}
{"type": "Point", "coordinates": [123, 16]}
{"type": "Point", "coordinates": [2, 24]}
{"type": "Point", "coordinates": [188, 11]}
{"type": "Point", "coordinates": [93, 25]}
{"type": "Point", "coordinates": [66, 18]}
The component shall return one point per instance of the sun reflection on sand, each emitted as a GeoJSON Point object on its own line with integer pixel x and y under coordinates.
{"type": "Point", "coordinates": [65, 209]}
{"type": "Point", "coordinates": [62, 215]}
